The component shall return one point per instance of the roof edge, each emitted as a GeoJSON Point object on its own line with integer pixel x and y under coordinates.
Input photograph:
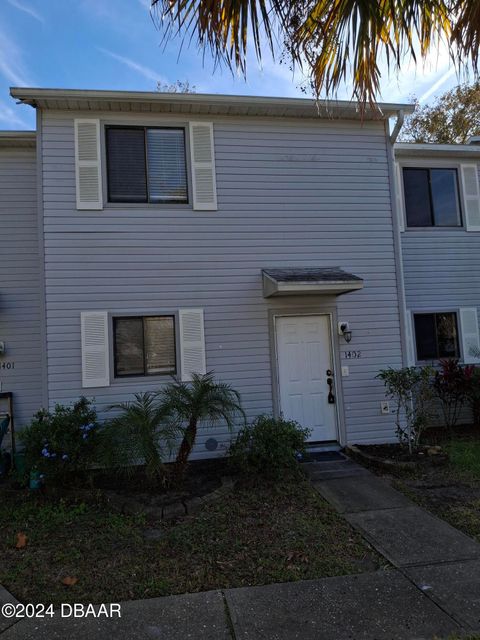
{"type": "Point", "coordinates": [426, 148]}
{"type": "Point", "coordinates": [13, 138]}
{"type": "Point", "coordinates": [33, 96]}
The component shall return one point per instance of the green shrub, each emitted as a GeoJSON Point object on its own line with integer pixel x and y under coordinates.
{"type": "Point", "coordinates": [61, 444]}
{"type": "Point", "coordinates": [269, 447]}
{"type": "Point", "coordinates": [412, 390]}
{"type": "Point", "coordinates": [139, 435]}
{"type": "Point", "coordinates": [451, 384]}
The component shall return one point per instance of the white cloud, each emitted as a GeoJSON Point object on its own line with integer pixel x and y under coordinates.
{"type": "Point", "coordinates": [422, 79]}
{"type": "Point", "coordinates": [11, 66]}
{"type": "Point", "coordinates": [10, 117]}
{"type": "Point", "coordinates": [26, 9]}
{"type": "Point", "coordinates": [436, 86]}
{"type": "Point", "coordinates": [146, 72]}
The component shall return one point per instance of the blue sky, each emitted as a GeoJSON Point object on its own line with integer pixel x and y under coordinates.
{"type": "Point", "coordinates": [113, 44]}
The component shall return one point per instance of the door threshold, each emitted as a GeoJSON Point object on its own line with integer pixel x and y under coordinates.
{"type": "Point", "coordinates": [318, 447]}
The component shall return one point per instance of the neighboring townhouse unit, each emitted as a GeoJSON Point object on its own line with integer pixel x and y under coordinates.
{"type": "Point", "coordinates": [21, 352]}
{"type": "Point", "coordinates": [439, 212]}
{"type": "Point", "coordinates": [255, 237]}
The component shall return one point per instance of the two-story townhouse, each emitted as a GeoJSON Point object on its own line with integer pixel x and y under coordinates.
{"type": "Point", "coordinates": [254, 237]}
{"type": "Point", "coordinates": [439, 216]}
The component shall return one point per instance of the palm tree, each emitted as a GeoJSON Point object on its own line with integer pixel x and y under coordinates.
{"type": "Point", "coordinates": [203, 399]}
{"type": "Point", "coordinates": [139, 434]}
{"type": "Point", "coordinates": [336, 40]}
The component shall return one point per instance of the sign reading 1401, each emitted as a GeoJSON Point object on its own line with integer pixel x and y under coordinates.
{"type": "Point", "coordinates": [352, 355]}
{"type": "Point", "coordinates": [7, 365]}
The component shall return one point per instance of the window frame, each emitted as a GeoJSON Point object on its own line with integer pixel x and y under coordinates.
{"type": "Point", "coordinates": [429, 165]}
{"type": "Point", "coordinates": [146, 203]}
{"type": "Point", "coordinates": [145, 373]}
{"type": "Point", "coordinates": [435, 312]}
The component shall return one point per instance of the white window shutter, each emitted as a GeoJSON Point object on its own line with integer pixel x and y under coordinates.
{"type": "Point", "coordinates": [471, 196]}
{"type": "Point", "coordinates": [203, 166]}
{"type": "Point", "coordinates": [410, 337]}
{"type": "Point", "coordinates": [399, 197]}
{"type": "Point", "coordinates": [192, 343]}
{"type": "Point", "coordinates": [95, 357]}
{"type": "Point", "coordinates": [88, 164]}
{"type": "Point", "coordinates": [470, 335]}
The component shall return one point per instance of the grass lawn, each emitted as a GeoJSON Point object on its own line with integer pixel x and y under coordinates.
{"type": "Point", "coordinates": [256, 535]}
{"type": "Point", "coordinates": [453, 491]}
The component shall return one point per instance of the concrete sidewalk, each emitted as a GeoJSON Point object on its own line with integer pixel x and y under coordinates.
{"type": "Point", "coordinates": [433, 591]}
{"type": "Point", "coordinates": [383, 605]}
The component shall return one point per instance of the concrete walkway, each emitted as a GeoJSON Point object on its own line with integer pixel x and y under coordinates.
{"type": "Point", "coordinates": [433, 591]}
{"type": "Point", "coordinates": [441, 562]}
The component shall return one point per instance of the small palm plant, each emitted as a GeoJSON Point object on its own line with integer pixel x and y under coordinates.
{"type": "Point", "coordinates": [202, 399]}
{"type": "Point", "coordinates": [139, 434]}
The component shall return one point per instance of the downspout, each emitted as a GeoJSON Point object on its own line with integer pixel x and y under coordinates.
{"type": "Point", "coordinates": [398, 126]}
{"type": "Point", "coordinates": [41, 255]}
{"type": "Point", "coordinates": [397, 239]}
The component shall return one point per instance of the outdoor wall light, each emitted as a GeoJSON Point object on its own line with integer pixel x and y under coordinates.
{"type": "Point", "coordinates": [344, 330]}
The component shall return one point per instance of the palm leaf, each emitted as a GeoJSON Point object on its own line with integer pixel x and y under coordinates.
{"type": "Point", "coordinates": [338, 41]}
{"type": "Point", "coordinates": [139, 434]}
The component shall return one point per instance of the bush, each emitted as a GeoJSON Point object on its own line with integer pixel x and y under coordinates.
{"type": "Point", "coordinates": [269, 447]}
{"type": "Point", "coordinates": [139, 435]}
{"type": "Point", "coordinates": [473, 394]}
{"type": "Point", "coordinates": [452, 385]}
{"type": "Point", "coordinates": [411, 389]}
{"type": "Point", "coordinates": [61, 445]}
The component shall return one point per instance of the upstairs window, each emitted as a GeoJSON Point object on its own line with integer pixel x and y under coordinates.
{"type": "Point", "coordinates": [432, 197]}
{"type": "Point", "coordinates": [436, 335]}
{"type": "Point", "coordinates": [146, 164]}
{"type": "Point", "coordinates": [144, 346]}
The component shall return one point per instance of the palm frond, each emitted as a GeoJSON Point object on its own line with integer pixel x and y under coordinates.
{"type": "Point", "coordinates": [338, 41]}
{"type": "Point", "coordinates": [140, 433]}
{"type": "Point", "coordinates": [202, 400]}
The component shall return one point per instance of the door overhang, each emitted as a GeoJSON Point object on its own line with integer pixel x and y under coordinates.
{"type": "Point", "coordinates": [300, 281]}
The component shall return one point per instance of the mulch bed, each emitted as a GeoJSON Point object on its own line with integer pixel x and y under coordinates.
{"type": "Point", "coordinates": [396, 459]}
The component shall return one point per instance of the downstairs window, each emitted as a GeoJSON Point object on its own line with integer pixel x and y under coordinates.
{"type": "Point", "coordinates": [436, 335]}
{"type": "Point", "coordinates": [144, 346]}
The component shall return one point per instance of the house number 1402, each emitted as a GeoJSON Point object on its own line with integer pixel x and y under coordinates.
{"type": "Point", "coordinates": [352, 355]}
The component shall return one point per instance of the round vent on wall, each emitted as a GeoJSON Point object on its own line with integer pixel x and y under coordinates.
{"type": "Point", "coordinates": [211, 444]}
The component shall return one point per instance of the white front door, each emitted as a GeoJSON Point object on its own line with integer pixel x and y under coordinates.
{"type": "Point", "coordinates": [304, 357]}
